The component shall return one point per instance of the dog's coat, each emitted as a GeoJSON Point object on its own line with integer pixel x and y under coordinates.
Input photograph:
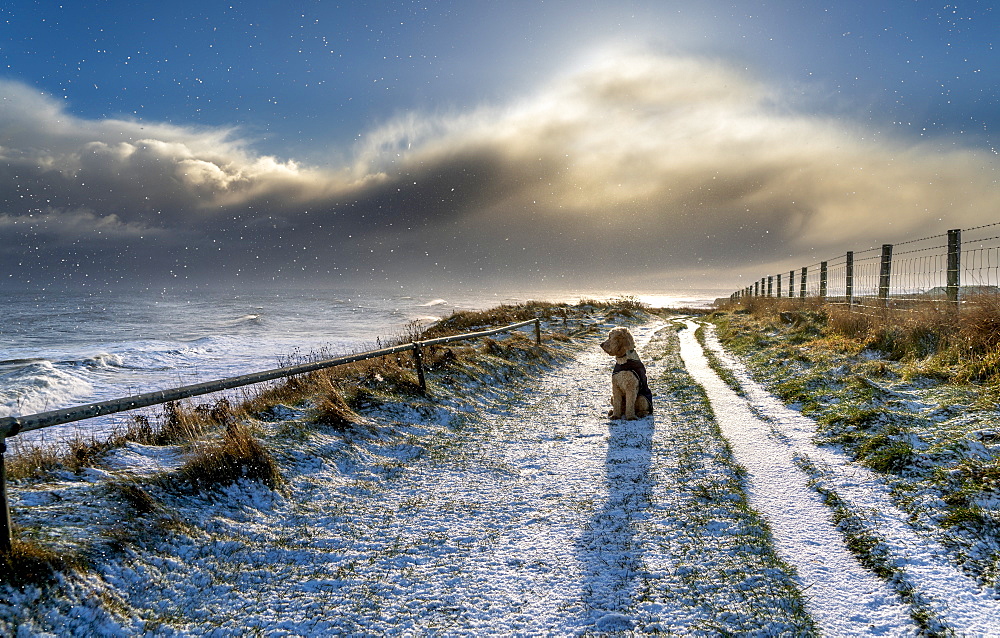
{"type": "Point", "coordinates": [630, 394]}
{"type": "Point", "coordinates": [639, 369]}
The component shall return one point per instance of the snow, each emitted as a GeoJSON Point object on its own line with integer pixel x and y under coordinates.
{"type": "Point", "coordinates": [844, 598]}
{"type": "Point", "coordinates": [768, 446]}
{"type": "Point", "coordinates": [511, 507]}
{"type": "Point", "coordinates": [144, 460]}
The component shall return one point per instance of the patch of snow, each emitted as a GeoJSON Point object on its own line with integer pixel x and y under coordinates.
{"type": "Point", "coordinates": [144, 460]}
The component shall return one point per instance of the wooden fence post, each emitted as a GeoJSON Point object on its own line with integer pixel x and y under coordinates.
{"type": "Point", "coordinates": [770, 284]}
{"type": "Point", "coordinates": [538, 332]}
{"type": "Point", "coordinates": [885, 274]}
{"type": "Point", "coordinates": [6, 541]}
{"type": "Point", "coordinates": [822, 280]}
{"type": "Point", "coordinates": [778, 286]}
{"type": "Point", "coordinates": [791, 283]}
{"type": "Point", "coordinates": [418, 361]}
{"type": "Point", "coordinates": [954, 264]}
{"type": "Point", "coordinates": [802, 284]}
{"type": "Point", "coordinates": [849, 293]}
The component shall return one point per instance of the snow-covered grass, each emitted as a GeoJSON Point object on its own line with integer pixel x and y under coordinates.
{"type": "Point", "coordinates": [936, 441]}
{"type": "Point", "coordinates": [503, 503]}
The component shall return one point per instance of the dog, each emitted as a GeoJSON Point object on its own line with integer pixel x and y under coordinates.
{"type": "Point", "coordinates": [630, 393]}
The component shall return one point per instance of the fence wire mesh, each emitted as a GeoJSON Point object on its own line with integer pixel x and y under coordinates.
{"type": "Point", "coordinates": [955, 267]}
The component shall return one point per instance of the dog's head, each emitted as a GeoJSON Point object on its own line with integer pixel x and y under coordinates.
{"type": "Point", "coordinates": [619, 342]}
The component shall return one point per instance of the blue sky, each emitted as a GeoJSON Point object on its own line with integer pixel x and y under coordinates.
{"type": "Point", "coordinates": [393, 141]}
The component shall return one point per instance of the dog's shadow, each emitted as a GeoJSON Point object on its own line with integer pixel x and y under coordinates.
{"type": "Point", "coordinates": [608, 549]}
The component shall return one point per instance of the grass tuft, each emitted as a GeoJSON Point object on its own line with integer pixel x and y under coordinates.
{"type": "Point", "coordinates": [332, 410]}
{"type": "Point", "coordinates": [135, 496]}
{"type": "Point", "coordinates": [237, 456]}
{"type": "Point", "coordinates": [30, 563]}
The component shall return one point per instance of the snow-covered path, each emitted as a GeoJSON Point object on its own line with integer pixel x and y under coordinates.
{"type": "Point", "coordinates": [767, 437]}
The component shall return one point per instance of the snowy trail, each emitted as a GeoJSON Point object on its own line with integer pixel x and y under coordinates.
{"type": "Point", "coordinates": [844, 598]}
{"type": "Point", "coordinates": [840, 588]}
{"type": "Point", "coordinates": [516, 555]}
{"type": "Point", "coordinates": [526, 527]}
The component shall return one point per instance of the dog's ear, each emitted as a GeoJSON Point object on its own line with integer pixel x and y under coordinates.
{"type": "Point", "coordinates": [629, 341]}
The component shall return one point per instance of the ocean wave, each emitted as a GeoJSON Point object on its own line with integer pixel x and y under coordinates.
{"type": "Point", "coordinates": [40, 386]}
{"type": "Point", "coordinates": [102, 361]}
{"type": "Point", "coordinates": [162, 355]}
{"type": "Point", "coordinates": [17, 364]}
{"type": "Point", "coordinates": [434, 302]}
{"type": "Point", "coordinates": [249, 319]}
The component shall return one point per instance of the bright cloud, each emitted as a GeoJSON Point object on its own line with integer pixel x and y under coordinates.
{"type": "Point", "coordinates": [660, 160]}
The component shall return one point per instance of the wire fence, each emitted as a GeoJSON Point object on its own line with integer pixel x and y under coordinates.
{"type": "Point", "coordinates": [954, 268]}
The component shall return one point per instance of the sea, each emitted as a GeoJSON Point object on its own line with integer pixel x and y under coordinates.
{"type": "Point", "coordinates": [63, 349]}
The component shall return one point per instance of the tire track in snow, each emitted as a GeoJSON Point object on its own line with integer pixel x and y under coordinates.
{"type": "Point", "coordinates": [955, 599]}
{"type": "Point", "coordinates": [844, 598]}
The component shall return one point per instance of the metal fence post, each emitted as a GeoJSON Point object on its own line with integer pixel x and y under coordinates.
{"type": "Point", "coordinates": [885, 273]}
{"type": "Point", "coordinates": [802, 284]}
{"type": "Point", "coordinates": [822, 280]}
{"type": "Point", "coordinates": [954, 264]}
{"type": "Point", "coordinates": [6, 541]}
{"type": "Point", "coordinates": [849, 293]}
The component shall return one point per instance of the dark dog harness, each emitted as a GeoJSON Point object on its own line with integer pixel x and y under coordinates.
{"type": "Point", "coordinates": [639, 370]}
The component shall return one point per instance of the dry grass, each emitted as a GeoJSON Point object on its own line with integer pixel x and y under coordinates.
{"type": "Point", "coordinates": [30, 563]}
{"type": "Point", "coordinates": [239, 455]}
{"type": "Point", "coordinates": [135, 496]}
{"type": "Point", "coordinates": [31, 458]}
{"type": "Point", "coordinates": [940, 340]}
{"type": "Point", "coordinates": [471, 321]}
{"type": "Point", "coordinates": [332, 410]}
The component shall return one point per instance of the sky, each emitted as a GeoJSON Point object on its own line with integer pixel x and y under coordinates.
{"type": "Point", "coordinates": [629, 144]}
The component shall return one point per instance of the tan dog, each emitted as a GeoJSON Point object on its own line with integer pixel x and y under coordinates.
{"type": "Point", "coordinates": [630, 393]}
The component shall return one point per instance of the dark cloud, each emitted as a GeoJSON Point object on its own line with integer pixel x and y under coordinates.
{"type": "Point", "coordinates": [635, 166]}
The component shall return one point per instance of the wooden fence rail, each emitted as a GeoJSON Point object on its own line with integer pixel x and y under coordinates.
{"type": "Point", "coordinates": [11, 426]}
